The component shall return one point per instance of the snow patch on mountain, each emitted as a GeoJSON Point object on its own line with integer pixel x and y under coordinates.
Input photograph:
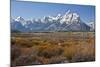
{"type": "Point", "coordinates": [70, 21]}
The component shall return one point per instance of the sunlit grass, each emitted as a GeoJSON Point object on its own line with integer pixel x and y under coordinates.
{"type": "Point", "coordinates": [48, 48]}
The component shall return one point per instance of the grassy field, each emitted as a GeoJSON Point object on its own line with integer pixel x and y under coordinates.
{"type": "Point", "coordinates": [52, 47]}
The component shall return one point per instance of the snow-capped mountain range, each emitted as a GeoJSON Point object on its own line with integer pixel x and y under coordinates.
{"type": "Point", "coordinates": [70, 21]}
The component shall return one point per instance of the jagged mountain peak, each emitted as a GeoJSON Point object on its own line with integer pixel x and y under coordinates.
{"type": "Point", "coordinates": [19, 18]}
{"type": "Point", "coordinates": [91, 25]}
{"type": "Point", "coordinates": [70, 17]}
{"type": "Point", "coordinates": [69, 21]}
{"type": "Point", "coordinates": [68, 12]}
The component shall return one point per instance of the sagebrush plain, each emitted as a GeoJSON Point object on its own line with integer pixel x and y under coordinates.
{"type": "Point", "coordinates": [52, 48]}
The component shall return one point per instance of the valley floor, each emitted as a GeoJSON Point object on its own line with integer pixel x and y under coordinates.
{"type": "Point", "coordinates": [52, 47]}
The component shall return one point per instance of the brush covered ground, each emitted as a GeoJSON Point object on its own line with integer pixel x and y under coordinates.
{"type": "Point", "coordinates": [52, 47]}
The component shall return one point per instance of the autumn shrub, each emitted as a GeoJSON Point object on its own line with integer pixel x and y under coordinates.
{"type": "Point", "coordinates": [69, 52]}
{"type": "Point", "coordinates": [67, 43]}
{"type": "Point", "coordinates": [15, 52]}
{"type": "Point", "coordinates": [57, 59]}
{"type": "Point", "coordinates": [42, 60]}
{"type": "Point", "coordinates": [23, 42]}
{"type": "Point", "coordinates": [26, 56]}
{"type": "Point", "coordinates": [52, 60]}
{"type": "Point", "coordinates": [49, 51]}
{"type": "Point", "coordinates": [36, 42]}
{"type": "Point", "coordinates": [85, 53]}
{"type": "Point", "coordinates": [26, 60]}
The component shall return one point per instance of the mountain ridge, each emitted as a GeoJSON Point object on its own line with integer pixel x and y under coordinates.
{"type": "Point", "coordinates": [70, 21]}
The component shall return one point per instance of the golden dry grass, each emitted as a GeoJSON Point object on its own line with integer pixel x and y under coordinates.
{"type": "Point", "coordinates": [48, 48]}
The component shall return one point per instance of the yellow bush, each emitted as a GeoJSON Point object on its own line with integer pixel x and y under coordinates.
{"type": "Point", "coordinates": [69, 52]}
{"type": "Point", "coordinates": [49, 51]}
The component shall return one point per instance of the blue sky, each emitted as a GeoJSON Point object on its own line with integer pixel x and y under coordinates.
{"type": "Point", "coordinates": [29, 10]}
